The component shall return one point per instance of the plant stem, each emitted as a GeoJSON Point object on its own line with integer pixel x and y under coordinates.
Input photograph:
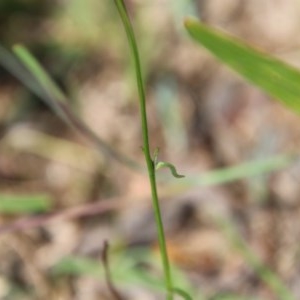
{"type": "Point", "coordinates": [146, 147]}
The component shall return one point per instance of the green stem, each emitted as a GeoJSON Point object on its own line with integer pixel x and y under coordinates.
{"type": "Point", "coordinates": [146, 147]}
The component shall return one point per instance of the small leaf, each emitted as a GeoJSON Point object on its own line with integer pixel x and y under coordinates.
{"type": "Point", "coordinates": [272, 75]}
{"type": "Point", "coordinates": [155, 156]}
{"type": "Point", "coordinates": [163, 164]}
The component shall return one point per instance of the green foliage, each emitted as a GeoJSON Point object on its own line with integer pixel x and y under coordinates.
{"type": "Point", "coordinates": [272, 75]}
{"type": "Point", "coordinates": [146, 146]}
{"type": "Point", "coordinates": [33, 75]}
{"type": "Point", "coordinates": [46, 83]}
{"type": "Point", "coordinates": [17, 204]}
{"type": "Point", "coordinates": [242, 171]}
{"type": "Point", "coordinates": [125, 270]}
{"type": "Point", "coordinates": [280, 81]}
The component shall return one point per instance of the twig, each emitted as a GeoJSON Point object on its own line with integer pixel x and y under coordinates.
{"type": "Point", "coordinates": [107, 273]}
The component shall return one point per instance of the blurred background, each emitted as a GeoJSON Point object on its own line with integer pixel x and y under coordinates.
{"type": "Point", "coordinates": [61, 197]}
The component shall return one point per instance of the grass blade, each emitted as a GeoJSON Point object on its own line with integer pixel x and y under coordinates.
{"type": "Point", "coordinates": [125, 270]}
{"type": "Point", "coordinates": [15, 204]}
{"type": "Point", "coordinates": [11, 64]}
{"type": "Point", "coordinates": [275, 77]}
{"type": "Point", "coordinates": [39, 73]}
{"type": "Point", "coordinates": [38, 81]}
{"type": "Point", "coordinates": [245, 170]}
{"type": "Point", "coordinates": [262, 271]}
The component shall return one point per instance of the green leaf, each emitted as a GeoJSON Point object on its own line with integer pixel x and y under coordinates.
{"type": "Point", "coordinates": [275, 77]}
{"type": "Point", "coordinates": [39, 73]}
{"type": "Point", "coordinates": [125, 271]}
{"type": "Point", "coordinates": [12, 204]}
{"type": "Point", "coordinates": [163, 164]}
{"type": "Point", "coordinates": [79, 266]}
{"type": "Point", "coordinates": [28, 70]}
{"type": "Point", "coordinates": [244, 170]}
{"type": "Point", "coordinates": [48, 89]}
{"type": "Point", "coordinates": [13, 65]}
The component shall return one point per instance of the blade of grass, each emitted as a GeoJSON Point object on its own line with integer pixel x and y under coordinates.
{"type": "Point", "coordinates": [229, 174]}
{"type": "Point", "coordinates": [38, 81]}
{"type": "Point", "coordinates": [15, 204]}
{"type": "Point", "coordinates": [266, 275]}
{"type": "Point", "coordinates": [60, 101]}
{"type": "Point", "coordinates": [214, 177]}
{"type": "Point", "coordinates": [241, 171]}
{"type": "Point", "coordinates": [272, 75]}
{"type": "Point", "coordinates": [39, 73]}
{"type": "Point", "coordinates": [125, 270]}
{"type": "Point", "coordinates": [11, 64]}
{"type": "Point", "coordinates": [30, 222]}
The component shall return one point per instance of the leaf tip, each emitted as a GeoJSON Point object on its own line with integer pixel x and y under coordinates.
{"type": "Point", "coordinates": [189, 21]}
{"type": "Point", "coordinates": [163, 164]}
{"type": "Point", "coordinates": [17, 46]}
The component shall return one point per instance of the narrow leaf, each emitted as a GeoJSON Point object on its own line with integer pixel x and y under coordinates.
{"type": "Point", "coordinates": [32, 74]}
{"type": "Point", "coordinates": [241, 171]}
{"type": "Point", "coordinates": [266, 275]}
{"type": "Point", "coordinates": [11, 64]}
{"type": "Point", "coordinates": [11, 204]}
{"type": "Point", "coordinates": [275, 77]}
{"type": "Point", "coordinates": [39, 73]}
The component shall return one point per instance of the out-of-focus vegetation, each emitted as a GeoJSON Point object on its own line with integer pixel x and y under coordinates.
{"type": "Point", "coordinates": [234, 240]}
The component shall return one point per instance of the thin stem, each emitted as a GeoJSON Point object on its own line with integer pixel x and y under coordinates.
{"type": "Point", "coordinates": [105, 261]}
{"type": "Point", "coordinates": [146, 147]}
